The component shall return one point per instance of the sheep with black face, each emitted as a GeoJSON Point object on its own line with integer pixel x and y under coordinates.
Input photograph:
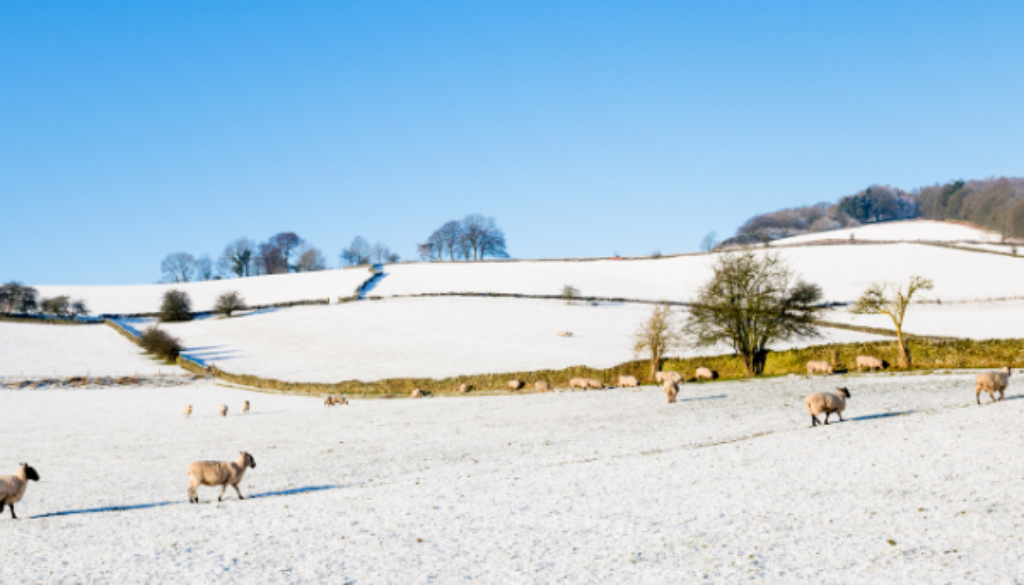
{"type": "Point", "coordinates": [12, 487]}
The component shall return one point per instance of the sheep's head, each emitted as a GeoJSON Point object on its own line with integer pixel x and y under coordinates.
{"type": "Point", "coordinates": [1007, 370]}
{"type": "Point", "coordinates": [30, 472]}
{"type": "Point", "coordinates": [843, 391]}
{"type": "Point", "coordinates": [249, 461]}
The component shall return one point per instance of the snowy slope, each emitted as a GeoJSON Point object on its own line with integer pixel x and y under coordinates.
{"type": "Point", "coordinates": [61, 351]}
{"type": "Point", "coordinates": [902, 231]}
{"type": "Point", "coordinates": [729, 485]}
{"type": "Point", "coordinates": [257, 290]}
{"type": "Point", "coordinates": [842, 271]}
{"type": "Point", "coordinates": [434, 337]}
{"type": "Point", "coordinates": [979, 320]}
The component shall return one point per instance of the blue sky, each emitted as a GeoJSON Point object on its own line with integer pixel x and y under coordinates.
{"type": "Point", "coordinates": [129, 130]}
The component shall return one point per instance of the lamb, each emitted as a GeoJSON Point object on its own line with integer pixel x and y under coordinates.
{"type": "Point", "coordinates": [668, 376]}
{"type": "Point", "coordinates": [187, 411]}
{"type": "Point", "coordinates": [818, 366]}
{"type": "Point", "coordinates": [992, 382]}
{"type": "Point", "coordinates": [214, 473]}
{"type": "Point", "coordinates": [417, 393]}
{"type": "Point", "coordinates": [826, 402]}
{"type": "Point", "coordinates": [628, 382]}
{"type": "Point", "coordinates": [12, 487]}
{"type": "Point", "coordinates": [705, 374]}
{"type": "Point", "coordinates": [223, 410]}
{"type": "Point", "coordinates": [515, 384]}
{"type": "Point", "coordinates": [578, 383]}
{"type": "Point", "coordinates": [594, 384]}
{"type": "Point", "coordinates": [565, 333]}
{"type": "Point", "coordinates": [464, 388]}
{"type": "Point", "coordinates": [869, 362]}
{"type": "Point", "coordinates": [542, 387]}
{"type": "Point", "coordinates": [670, 389]}
{"type": "Point", "coordinates": [245, 407]}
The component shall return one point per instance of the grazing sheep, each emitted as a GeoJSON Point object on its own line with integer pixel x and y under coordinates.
{"type": "Point", "coordinates": [223, 410]}
{"type": "Point", "coordinates": [341, 400]}
{"type": "Point", "coordinates": [869, 362]}
{"type": "Point", "coordinates": [214, 473]}
{"type": "Point", "coordinates": [628, 382]}
{"type": "Point", "coordinates": [245, 407]}
{"type": "Point", "coordinates": [187, 411]}
{"type": "Point", "coordinates": [705, 374]}
{"type": "Point", "coordinates": [565, 333]}
{"type": "Point", "coordinates": [515, 384]}
{"type": "Point", "coordinates": [329, 401]}
{"type": "Point", "coordinates": [464, 388]}
{"type": "Point", "coordinates": [671, 390]}
{"type": "Point", "coordinates": [594, 384]}
{"type": "Point", "coordinates": [12, 487]}
{"type": "Point", "coordinates": [826, 402]}
{"type": "Point", "coordinates": [542, 387]}
{"type": "Point", "coordinates": [417, 393]}
{"type": "Point", "coordinates": [578, 383]}
{"type": "Point", "coordinates": [668, 377]}
{"type": "Point", "coordinates": [818, 366]}
{"type": "Point", "coordinates": [992, 382]}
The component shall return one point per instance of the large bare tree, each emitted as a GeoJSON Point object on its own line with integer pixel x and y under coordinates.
{"type": "Point", "coordinates": [288, 243]}
{"type": "Point", "coordinates": [310, 260]}
{"type": "Point", "coordinates": [751, 302]}
{"type": "Point", "coordinates": [238, 258]}
{"type": "Point", "coordinates": [881, 299]}
{"type": "Point", "coordinates": [178, 267]}
{"type": "Point", "coordinates": [656, 336]}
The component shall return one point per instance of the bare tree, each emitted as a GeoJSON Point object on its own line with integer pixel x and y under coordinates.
{"type": "Point", "coordinates": [878, 299]}
{"type": "Point", "coordinates": [18, 298]}
{"type": "Point", "coordinates": [238, 258]}
{"type": "Point", "coordinates": [270, 258]}
{"type": "Point", "coordinates": [750, 302]}
{"type": "Point", "coordinates": [426, 251]}
{"type": "Point", "coordinates": [310, 260]}
{"type": "Point", "coordinates": [178, 267]}
{"type": "Point", "coordinates": [482, 237]}
{"type": "Point", "coordinates": [570, 293]}
{"type": "Point", "coordinates": [62, 306]}
{"type": "Point", "coordinates": [288, 243]}
{"type": "Point", "coordinates": [656, 336]}
{"type": "Point", "coordinates": [449, 237]}
{"type": "Point", "coordinates": [709, 242]}
{"type": "Point", "coordinates": [357, 253]}
{"type": "Point", "coordinates": [204, 268]}
{"type": "Point", "coordinates": [229, 302]}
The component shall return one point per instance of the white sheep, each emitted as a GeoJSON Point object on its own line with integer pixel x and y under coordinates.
{"type": "Point", "coordinates": [668, 377]}
{"type": "Point", "coordinates": [818, 366]}
{"type": "Point", "coordinates": [628, 381]}
{"type": "Point", "coordinates": [827, 403]}
{"type": "Point", "coordinates": [992, 382]}
{"type": "Point", "coordinates": [341, 400]}
{"type": "Point", "coordinates": [417, 393]}
{"type": "Point", "coordinates": [464, 388]}
{"type": "Point", "coordinates": [578, 383]}
{"type": "Point", "coordinates": [12, 487]}
{"type": "Point", "coordinates": [705, 374]}
{"type": "Point", "coordinates": [565, 333]}
{"type": "Point", "coordinates": [245, 407]}
{"type": "Point", "coordinates": [515, 384]}
{"type": "Point", "coordinates": [671, 390]}
{"type": "Point", "coordinates": [542, 387]}
{"type": "Point", "coordinates": [214, 473]}
{"type": "Point", "coordinates": [187, 411]}
{"type": "Point", "coordinates": [869, 362]}
{"type": "Point", "coordinates": [594, 384]}
{"type": "Point", "coordinates": [223, 409]}
{"type": "Point", "coordinates": [329, 401]}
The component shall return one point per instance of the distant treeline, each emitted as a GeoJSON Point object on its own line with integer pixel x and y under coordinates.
{"type": "Point", "coordinates": [996, 204]}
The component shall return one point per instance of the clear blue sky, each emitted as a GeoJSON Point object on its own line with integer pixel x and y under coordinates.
{"type": "Point", "coordinates": [129, 130]}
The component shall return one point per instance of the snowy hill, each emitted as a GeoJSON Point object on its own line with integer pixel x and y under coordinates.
{"type": "Point", "coordinates": [915, 230]}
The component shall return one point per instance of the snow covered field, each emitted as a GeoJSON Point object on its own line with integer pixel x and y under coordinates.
{"type": "Point", "coordinates": [261, 290]}
{"type": "Point", "coordinates": [426, 337]}
{"type": "Point", "coordinates": [28, 350]}
{"type": "Point", "coordinates": [730, 484]}
{"type": "Point", "coordinates": [903, 231]}
{"type": "Point", "coordinates": [977, 320]}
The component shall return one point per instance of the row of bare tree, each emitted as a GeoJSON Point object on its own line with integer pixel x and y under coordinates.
{"type": "Point", "coordinates": [17, 298]}
{"type": "Point", "coordinates": [282, 253]}
{"type": "Point", "coordinates": [474, 237]}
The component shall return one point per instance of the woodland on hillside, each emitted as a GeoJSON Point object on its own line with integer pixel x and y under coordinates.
{"type": "Point", "coordinates": [996, 204]}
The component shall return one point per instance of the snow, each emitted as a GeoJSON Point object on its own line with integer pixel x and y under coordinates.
{"type": "Point", "coordinates": [728, 485]}
{"type": "Point", "coordinates": [32, 351]}
{"type": "Point", "coordinates": [976, 320]}
{"type": "Point", "coordinates": [257, 290]}
{"type": "Point", "coordinates": [843, 272]}
{"type": "Point", "coordinates": [902, 231]}
{"type": "Point", "coordinates": [426, 337]}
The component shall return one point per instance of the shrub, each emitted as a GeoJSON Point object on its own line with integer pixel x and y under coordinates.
{"type": "Point", "coordinates": [160, 343]}
{"type": "Point", "coordinates": [229, 302]}
{"type": "Point", "coordinates": [63, 307]}
{"type": "Point", "coordinates": [570, 293]}
{"type": "Point", "coordinates": [176, 307]}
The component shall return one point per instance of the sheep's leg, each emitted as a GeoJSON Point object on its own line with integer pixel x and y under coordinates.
{"type": "Point", "coordinates": [977, 396]}
{"type": "Point", "coordinates": [222, 488]}
{"type": "Point", "coordinates": [12, 511]}
{"type": "Point", "coordinates": [814, 421]}
{"type": "Point", "coordinates": [840, 415]}
{"type": "Point", "coordinates": [827, 414]}
{"type": "Point", "coordinates": [240, 497]}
